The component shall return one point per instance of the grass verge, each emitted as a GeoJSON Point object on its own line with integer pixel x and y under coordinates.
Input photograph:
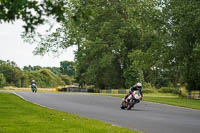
{"type": "Point", "coordinates": [19, 116]}
{"type": "Point", "coordinates": [29, 89]}
{"type": "Point", "coordinates": [170, 99]}
{"type": "Point", "coordinates": [173, 99]}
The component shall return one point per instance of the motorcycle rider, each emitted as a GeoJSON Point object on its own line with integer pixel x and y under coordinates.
{"type": "Point", "coordinates": [137, 86]}
{"type": "Point", "coordinates": [33, 84]}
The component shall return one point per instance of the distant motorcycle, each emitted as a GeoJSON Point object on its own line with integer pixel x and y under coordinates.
{"type": "Point", "coordinates": [131, 100]}
{"type": "Point", "coordinates": [34, 88]}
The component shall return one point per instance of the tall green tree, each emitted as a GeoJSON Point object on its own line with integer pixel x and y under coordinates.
{"type": "Point", "coordinates": [112, 30]}
{"type": "Point", "coordinates": [105, 32]}
{"type": "Point", "coordinates": [123, 42]}
{"type": "Point", "coordinates": [183, 24]}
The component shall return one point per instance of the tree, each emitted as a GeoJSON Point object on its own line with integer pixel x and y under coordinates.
{"type": "Point", "coordinates": [13, 74]}
{"type": "Point", "coordinates": [32, 12]}
{"type": "Point", "coordinates": [183, 24]}
{"type": "Point", "coordinates": [32, 68]}
{"type": "Point", "coordinates": [67, 68]}
{"type": "Point", "coordinates": [105, 33]}
{"type": "Point", "coordinates": [55, 70]}
{"type": "Point", "coordinates": [123, 42]}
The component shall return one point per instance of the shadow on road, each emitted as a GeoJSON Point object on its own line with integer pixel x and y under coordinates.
{"type": "Point", "coordinates": [134, 110]}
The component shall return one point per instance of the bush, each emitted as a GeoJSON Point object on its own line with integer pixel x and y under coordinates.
{"type": "Point", "coordinates": [147, 85]}
{"type": "Point", "coordinates": [169, 90]}
{"type": "Point", "coordinates": [66, 79]}
{"type": "Point", "coordinates": [148, 91]}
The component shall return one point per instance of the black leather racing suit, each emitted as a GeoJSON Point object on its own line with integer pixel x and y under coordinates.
{"type": "Point", "coordinates": [33, 84]}
{"type": "Point", "coordinates": [133, 88]}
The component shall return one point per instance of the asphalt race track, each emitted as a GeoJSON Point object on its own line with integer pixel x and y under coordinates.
{"type": "Point", "coordinates": [146, 117]}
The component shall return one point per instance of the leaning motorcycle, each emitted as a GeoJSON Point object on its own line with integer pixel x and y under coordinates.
{"type": "Point", "coordinates": [131, 100]}
{"type": "Point", "coordinates": [34, 88]}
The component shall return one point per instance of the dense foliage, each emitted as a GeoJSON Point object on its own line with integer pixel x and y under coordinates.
{"type": "Point", "coordinates": [32, 12]}
{"type": "Point", "coordinates": [121, 42]}
{"type": "Point", "coordinates": [11, 74]}
{"type": "Point", "coordinates": [67, 68]}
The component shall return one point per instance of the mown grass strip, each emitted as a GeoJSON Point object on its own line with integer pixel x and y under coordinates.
{"type": "Point", "coordinates": [19, 116]}
{"type": "Point", "coordinates": [175, 101]}
{"type": "Point", "coordinates": [170, 99]}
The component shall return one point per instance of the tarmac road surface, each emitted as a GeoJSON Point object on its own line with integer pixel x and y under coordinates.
{"type": "Point", "coordinates": [145, 116]}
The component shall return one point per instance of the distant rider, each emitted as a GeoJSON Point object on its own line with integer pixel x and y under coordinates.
{"type": "Point", "coordinates": [33, 84]}
{"type": "Point", "coordinates": [137, 86]}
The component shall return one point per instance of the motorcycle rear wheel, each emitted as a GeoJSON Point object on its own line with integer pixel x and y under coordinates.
{"type": "Point", "coordinates": [34, 90]}
{"type": "Point", "coordinates": [131, 105]}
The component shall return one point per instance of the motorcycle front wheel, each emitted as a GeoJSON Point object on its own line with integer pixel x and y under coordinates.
{"type": "Point", "coordinates": [123, 106]}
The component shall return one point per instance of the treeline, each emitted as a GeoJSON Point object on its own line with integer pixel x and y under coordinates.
{"type": "Point", "coordinates": [121, 42]}
{"type": "Point", "coordinates": [12, 75]}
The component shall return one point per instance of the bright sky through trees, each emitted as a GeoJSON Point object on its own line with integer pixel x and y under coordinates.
{"type": "Point", "coordinates": [13, 48]}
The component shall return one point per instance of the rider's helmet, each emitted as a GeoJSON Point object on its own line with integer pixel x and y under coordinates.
{"type": "Point", "coordinates": [139, 85]}
{"type": "Point", "coordinates": [33, 81]}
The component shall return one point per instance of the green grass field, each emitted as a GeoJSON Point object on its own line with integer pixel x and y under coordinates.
{"type": "Point", "coordinates": [170, 99]}
{"type": "Point", "coordinates": [19, 116]}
